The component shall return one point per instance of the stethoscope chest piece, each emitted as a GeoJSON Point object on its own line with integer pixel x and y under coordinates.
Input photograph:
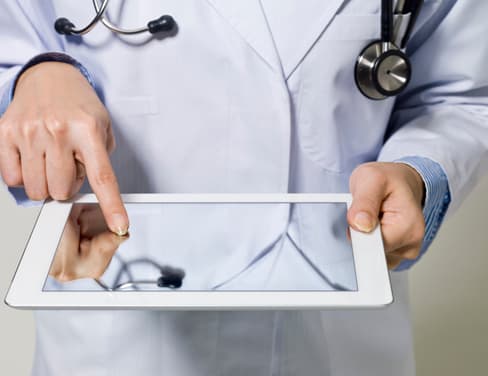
{"type": "Point", "coordinates": [382, 70]}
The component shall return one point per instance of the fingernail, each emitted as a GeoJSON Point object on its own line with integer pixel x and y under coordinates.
{"type": "Point", "coordinates": [119, 223]}
{"type": "Point", "coordinates": [364, 222]}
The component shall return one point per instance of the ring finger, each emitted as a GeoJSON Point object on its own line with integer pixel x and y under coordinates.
{"type": "Point", "coordinates": [61, 173]}
{"type": "Point", "coordinates": [34, 173]}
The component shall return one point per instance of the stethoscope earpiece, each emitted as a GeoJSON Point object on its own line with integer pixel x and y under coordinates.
{"type": "Point", "coordinates": [164, 24]}
{"type": "Point", "coordinates": [63, 26]}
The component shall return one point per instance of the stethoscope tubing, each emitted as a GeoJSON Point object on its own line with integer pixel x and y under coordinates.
{"type": "Point", "coordinates": [98, 17]}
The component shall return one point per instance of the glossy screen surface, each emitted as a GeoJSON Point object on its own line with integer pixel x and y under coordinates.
{"type": "Point", "coordinates": [207, 246]}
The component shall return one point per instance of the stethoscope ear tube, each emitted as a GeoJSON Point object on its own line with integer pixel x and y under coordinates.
{"type": "Point", "coordinates": [413, 7]}
{"type": "Point", "coordinates": [164, 24]}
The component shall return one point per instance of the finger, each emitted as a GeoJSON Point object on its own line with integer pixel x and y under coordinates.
{"type": "Point", "coordinates": [34, 174]}
{"type": "Point", "coordinates": [402, 229]}
{"type": "Point", "coordinates": [102, 249]}
{"type": "Point", "coordinates": [410, 252]}
{"type": "Point", "coordinates": [393, 261]}
{"type": "Point", "coordinates": [60, 172]}
{"type": "Point", "coordinates": [348, 234]}
{"type": "Point", "coordinates": [368, 188]}
{"type": "Point", "coordinates": [107, 243]}
{"type": "Point", "coordinates": [91, 222]}
{"type": "Point", "coordinates": [104, 184]}
{"type": "Point", "coordinates": [10, 166]}
{"type": "Point", "coordinates": [110, 140]}
{"type": "Point", "coordinates": [65, 260]}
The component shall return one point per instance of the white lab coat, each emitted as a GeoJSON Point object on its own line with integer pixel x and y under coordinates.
{"type": "Point", "coordinates": [259, 96]}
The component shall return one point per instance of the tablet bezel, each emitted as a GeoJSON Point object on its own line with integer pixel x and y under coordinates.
{"type": "Point", "coordinates": [26, 289]}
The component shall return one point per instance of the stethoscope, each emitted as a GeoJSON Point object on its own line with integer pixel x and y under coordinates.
{"type": "Point", "coordinates": [382, 69]}
{"type": "Point", "coordinates": [163, 24]}
{"type": "Point", "coordinates": [169, 277]}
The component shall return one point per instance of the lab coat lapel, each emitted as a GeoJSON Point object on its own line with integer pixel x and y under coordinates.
{"type": "Point", "coordinates": [248, 18]}
{"type": "Point", "coordinates": [309, 26]}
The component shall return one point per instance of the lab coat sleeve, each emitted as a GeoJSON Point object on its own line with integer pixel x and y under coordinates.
{"type": "Point", "coordinates": [443, 116]}
{"type": "Point", "coordinates": [27, 39]}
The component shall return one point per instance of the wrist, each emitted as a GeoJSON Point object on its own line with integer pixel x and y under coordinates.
{"type": "Point", "coordinates": [46, 69]}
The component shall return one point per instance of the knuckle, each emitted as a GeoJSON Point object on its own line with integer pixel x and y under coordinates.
{"type": "Point", "coordinates": [106, 249]}
{"type": "Point", "coordinates": [6, 131]}
{"type": "Point", "coordinates": [36, 194]}
{"type": "Point", "coordinates": [12, 178]}
{"type": "Point", "coordinates": [372, 171]}
{"type": "Point", "coordinates": [56, 128]}
{"type": "Point", "coordinates": [29, 130]}
{"type": "Point", "coordinates": [104, 178]}
{"type": "Point", "coordinates": [418, 231]}
{"type": "Point", "coordinates": [411, 254]}
{"type": "Point", "coordinates": [60, 195]}
{"type": "Point", "coordinates": [90, 124]}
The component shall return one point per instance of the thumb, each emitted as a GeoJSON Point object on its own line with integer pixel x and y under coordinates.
{"type": "Point", "coordinates": [368, 192]}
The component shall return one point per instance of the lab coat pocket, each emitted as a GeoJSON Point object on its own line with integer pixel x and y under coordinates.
{"type": "Point", "coordinates": [335, 123]}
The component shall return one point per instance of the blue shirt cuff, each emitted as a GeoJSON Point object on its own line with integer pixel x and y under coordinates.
{"type": "Point", "coordinates": [437, 200]}
{"type": "Point", "coordinates": [7, 96]}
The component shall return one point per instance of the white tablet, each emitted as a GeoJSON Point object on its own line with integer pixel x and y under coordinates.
{"type": "Point", "coordinates": [202, 251]}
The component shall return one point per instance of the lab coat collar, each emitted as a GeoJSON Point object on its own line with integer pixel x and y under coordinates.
{"type": "Point", "coordinates": [312, 32]}
{"type": "Point", "coordinates": [249, 19]}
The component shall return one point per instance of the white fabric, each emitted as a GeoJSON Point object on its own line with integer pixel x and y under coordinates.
{"type": "Point", "coordinates": [219, 108]}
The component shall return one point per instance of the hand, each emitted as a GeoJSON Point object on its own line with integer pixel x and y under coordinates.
{"type": "Point", "coordinates": [54, 130]}
{"type": "Point", "coordinates": [86, 246]}
{"type": "Point", "coordinates": [392, 194]}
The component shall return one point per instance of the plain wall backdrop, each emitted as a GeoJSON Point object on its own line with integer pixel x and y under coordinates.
{"type": "Point", "coordinates": [448, 293]}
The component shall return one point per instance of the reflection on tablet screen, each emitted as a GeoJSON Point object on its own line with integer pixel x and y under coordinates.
{"type": "Point", "coordinates": [207, 246]}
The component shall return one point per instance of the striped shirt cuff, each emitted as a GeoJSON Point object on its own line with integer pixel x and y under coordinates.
{"type": "Point", "coordinates": [437, 199]}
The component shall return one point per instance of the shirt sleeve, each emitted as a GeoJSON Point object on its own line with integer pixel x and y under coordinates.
{"type": "Point", "coordinates": [8, 94]}
{"type": "Point", "coordinates": [437, 200]}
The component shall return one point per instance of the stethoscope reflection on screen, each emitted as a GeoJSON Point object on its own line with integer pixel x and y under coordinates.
{"type": "Point", "coordinates": [169, 276]}
{"type": "Point", "coordinates": [382, 69]}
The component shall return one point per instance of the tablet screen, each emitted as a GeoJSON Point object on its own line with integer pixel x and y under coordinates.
{"type": "Point", "coordinates": [207, 246]}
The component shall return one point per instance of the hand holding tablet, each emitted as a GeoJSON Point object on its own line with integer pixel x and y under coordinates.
{"type": "Point", "coordinates": [203, 252]}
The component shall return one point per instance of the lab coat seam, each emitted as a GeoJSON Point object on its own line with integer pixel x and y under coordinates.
{"type": "Point", "coordinates": [270, 31]}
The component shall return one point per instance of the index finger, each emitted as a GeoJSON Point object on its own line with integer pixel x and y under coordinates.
{"type": "Point", "coordinates": [103, 181]}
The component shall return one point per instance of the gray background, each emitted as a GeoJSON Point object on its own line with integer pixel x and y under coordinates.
{"type": "Point", "coordinates": [448, 293]}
